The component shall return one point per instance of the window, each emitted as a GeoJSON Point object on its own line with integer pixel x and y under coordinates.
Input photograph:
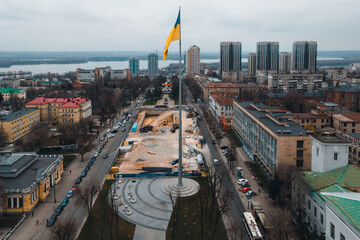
{"type": "Point", "coordinates": [21, 202]}
{"type": "Point", "coordinates": [300, 144]}
{"type": "Point", "coordinates": [317, 151]}
{"type": "Point", "coordinates": [345, 124]}
{"type": "Point", "coordinates": [300, 153]}
{"type": "Point", "coordinates": [299, 163]}
{"type": "Point", "coordinates": [315, 211]}
{"type": "Point", "coordinates": [332, 231]}
{"type": "Point", "coordinates": [353, 124]}
{"type": "Point", "coordinates": [309, 204]}
{"type": "Point", "coordinates": [353, 130]}
{"type": "Point", "coordinates": [321, 218]}
{"type": "Point", "coordinates": [342, 237]}
{"type": "Point", "coordinates": [336, 156]}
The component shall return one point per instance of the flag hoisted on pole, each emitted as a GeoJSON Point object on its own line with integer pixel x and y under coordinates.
{"type": "Point", "coordinates": [175, 35]}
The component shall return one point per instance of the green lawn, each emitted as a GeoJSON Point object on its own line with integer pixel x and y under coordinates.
{"type": "Point", "coordinates": [188, 222]}
{"type": "Point", "coordinates": [68, 159]}
{"type": "Point", "coordinates": [101, 215]}
{"type": "Point", "coordinates": [257, 172]}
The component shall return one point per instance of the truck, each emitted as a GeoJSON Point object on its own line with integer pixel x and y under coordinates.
{"type": "Point", "coordinates": [200, 159]}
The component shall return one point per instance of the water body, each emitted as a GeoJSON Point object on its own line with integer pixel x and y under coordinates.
{"type": "Point", "coordinates": [63, 68]}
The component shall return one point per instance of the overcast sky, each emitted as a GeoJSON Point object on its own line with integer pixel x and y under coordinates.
{"type": "Point", "coordinates": [143, 25]}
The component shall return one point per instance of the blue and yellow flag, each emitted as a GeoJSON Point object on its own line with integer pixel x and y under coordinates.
{"type": "Point", "coordinates": [173, 36]}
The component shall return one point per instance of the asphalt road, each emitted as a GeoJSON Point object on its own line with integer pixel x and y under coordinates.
{"type": "Point", "coordinates": [97, 172]}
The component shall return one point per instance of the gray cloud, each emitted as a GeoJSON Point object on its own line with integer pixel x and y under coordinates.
{"type": "Point", "coordinates": [90, 25]}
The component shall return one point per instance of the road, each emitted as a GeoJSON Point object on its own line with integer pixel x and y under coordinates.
{"type": "Point", "coordinates": [97, 172]}
{"type": "Point", "coordinates": [237, 206]}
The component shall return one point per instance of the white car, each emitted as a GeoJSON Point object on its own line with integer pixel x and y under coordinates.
{"type": "Point", "coordinates": [108, 130]}
{"type": "Point", "coordinates": [216, 162]}
{"type": "Point", "coordinates": [111, 135]}
{"type": "Point", "coordinates": [96, 154]}
{"type": "Point", "coordinates": [242, 181]}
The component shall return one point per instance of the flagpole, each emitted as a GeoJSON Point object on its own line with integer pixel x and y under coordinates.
{"type": "Point", "coordinates": [180, 116]}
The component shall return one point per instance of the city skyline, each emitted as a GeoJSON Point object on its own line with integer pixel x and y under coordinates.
{"type": "Point", "coordinates": [47, 26]}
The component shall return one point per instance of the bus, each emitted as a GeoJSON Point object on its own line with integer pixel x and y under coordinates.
{"type": "Point", "coordinates": [251, 226]}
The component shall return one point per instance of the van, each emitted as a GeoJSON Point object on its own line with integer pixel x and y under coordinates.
{"type": "Point", "coordinates": [200, 159]}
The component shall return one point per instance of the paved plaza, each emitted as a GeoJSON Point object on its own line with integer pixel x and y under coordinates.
{"type": "Point", "coordinates": [147, 203]}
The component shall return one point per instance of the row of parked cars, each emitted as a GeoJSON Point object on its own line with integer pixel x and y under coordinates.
{"type": "Point", "coordinates": [50, 221]}
{"type": "Point", "coordinates": [245, 187]}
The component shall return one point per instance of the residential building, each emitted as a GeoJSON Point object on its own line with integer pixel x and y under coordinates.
{"type": "Point", "coordinates": [153, 60]}
{"type": "Point", "coordinates": [293, 82]}
{"type": "Point", "coordinates": [285, 62]}
{"type": "Point", "coordinates": [62, 110]}
{"type": "Point", "coordinates": [230, 56]}
{"type": "Point", "coordinates": [221, 107]}
{"type": "Point", "coordinates": [314, 120]}
{"type": "Point", "coordinates": [28, 179]}
{"type": "Point", "coordinates": [346, 96]}
{"type": "Point", "coordinates": [281, 99]}
{"type": "Point", "coordinates": [335, 76]}
{"type": "Point", "coordinates": [209, 87]}
{"type": "Point", "coordinates": [7, 93]}
{"type": "Point", "coordinates": [354, 149]}
{"type": "Point", "coordinates": [233, 76]}
{"type": "Point", "coordinates": [193, 60]}
{"type": "Point", "coordinates": [347, 122]}
{"type": "Point", "coordinates": [19, 123]}
{"type": "Point", "coordinates": [304, 56]}
{"type": "Point", "coordinates": [267, 56]}
{"type": "Point", "coordinates": [134, 65]}
{"type": "Point", "coordinates": [118, 74]}
{"type": "Point", "coordinates": [270, 137]}
{"type": "Point", "coordinates": [85, 75]}
{"type": "Point", "coordinates": [252, 64]}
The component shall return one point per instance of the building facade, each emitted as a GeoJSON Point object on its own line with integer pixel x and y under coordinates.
{"type": "Point", "coordinates": [267, 56]}
{"type": "Point", "coordinates": [193, 60]}
{"type": "Point", "coordinates": [285, 62]}
{"type": "Point", "coordinates": [347, 122]}
{"type": "Point", "coordinates": [346, 96]}
{"type": "Point", "coordinates": [252, 64]}
{"type": "Point", "coordinates": [209, 87]}
{"type": "Point", "coordinates": [304, 56]}
{"type": "Point", "coordinates": [62, 110]}
{"type": "Point", "coordinates": [270, 137]}
{"type": "Point", "coordinates": [233, 77]}
{"type": "Point", "coordinates": [230, 56]}
{"type": "Point", "coordinates": [19, 123]}
{"type": "Point", "coordinates": [354, 148]}
{"type": "Point", "coordinates": [28, 179]}
{"type": "Point", "coordinates": [294, 82]}
{"type": "Point", "coordinates": [313, 120]}
{"type": "Point", "coordinates": [7, 93]}
{"type": "Point", "coordinates": [134, 65]}
{"type": "Point", "coordinates": [85, 75]}
{"type": "Point", "coordinates": [221, 107]}
{"type": "Point", "coordinates": [153, 67]}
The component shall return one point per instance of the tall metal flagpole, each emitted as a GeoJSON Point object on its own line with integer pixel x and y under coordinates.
{"type": "Point", "coordinates": [180, 116]}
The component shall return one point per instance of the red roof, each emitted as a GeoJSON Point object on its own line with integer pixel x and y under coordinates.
{"type": "Point", "coordinates": [66, 102]}
{"type": "Point", "coordinates": [224, 98]}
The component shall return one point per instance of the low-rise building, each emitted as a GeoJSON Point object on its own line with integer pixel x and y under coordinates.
{"type": "Point", "coordinates": [62, 110]}
{"type": "Point", "coordinates": [28, 179]}
{"type": "Point", "coordinates": [346, 96]}
{"type": "Point", "coordinates": [209, 87]}
{"type": "Point", "coordinates": [347, 122]}
{"type": "Point", "coordinates": [233, 76]}
{"type": "Point", "coordinates": [7, 93]}
{"type": "Point", "coordinates": [85, 75]}
{"type": "Point", "coordinates": [221, 107]}
{"type": "Point", "coordinates": [19, 123]}
{"type": "Point", "coordinates": [271, 137]}
{"type": "Point", "coordinates": [354, 149]}
{"type": "Point", "coordinates": [315, 119]}
{"type": "Point", "coordinates": [294, 82]}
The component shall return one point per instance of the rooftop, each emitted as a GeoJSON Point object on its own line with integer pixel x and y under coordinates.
{"type": "Point", "coordinates": [309, 116]}
{"type": "Point", "coordinates": [289, 129]}
{"type": "Point", "coordinates": [348, 117]}
{"type": "Point", "coordinates": [18, 114]}
{"type": "Point", "coordinates": [43, 100]}
{"type": "Point", "coordinates": [343, 88]}
{"type": "Point", "coordinates": [224, 98]}
{"type": "Point", "coordinates": [11, 90]}
{"type": "Point", "coordinates": [330, 139]}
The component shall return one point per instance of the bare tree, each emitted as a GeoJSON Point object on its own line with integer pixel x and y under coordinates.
{"type": "Point", "coordinates": [63, 230]}
{"type": "Point", "coordinates": [235, 231]}
{"type": "Point", "coordinates": [203, 200]}
{"type": "Point", "coordinates": [3, 137]}
{"type": "Point", "coordinates": [175, 203]}
{"type": "Point", "coordinates": [281, 219]}
{"type": "Point", "coordinates": [216, 183]}
{"type": "Point", "coordinates": [85, 195]}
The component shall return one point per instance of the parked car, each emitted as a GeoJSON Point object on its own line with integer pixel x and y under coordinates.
{"type": "Point", "coordinates": [108, 130]}
{"type": "Point", "coordinates": [50, 221]}
{"type": "Point", "coordinates": [242, 180]}
{"type": "Point", "coordinates": [123, 125]}
{"type": "Point", "coordinates": [245, 189]}
{"type": "Point", "coordinates": [105, 156]}
{"type": "Point", "coordinates": [224, 152]}
{"type": "Point", "coordinates": [96, 154]}
{"type": "Point", "coordinates": [102, 139]}
{"type": "Point", "coordinates": [250, 193]}
{"type": "Point", "coordinates": [123, 130]}
{"type": "Point", "coordinates": [111, 135]}
{"type": "Point", "coordinates": [87, 168]}
{"type": "Point", "coordinates": [224, 147]}
{"type": "Point", "coordinates": [216, 162]}
{"type": "Point", "coordinates": [65, 202]}
{"type": "Point", "coordinates": [69, 194]}
{"type": "Point", "coordinates": [99, 150]}
{"type": "Point", "coordinates": [53, 130]}
{"type": "Point", "coordinates": [212, 141]}
{"type": "Point", "coordinates": [59, 209]}
{"type": "Point", "coordinates": [90, 163]}
{"type": "Point", "coordinates": [74, 186]}
{"type": "Point", "coordinates": [114, 131]}
{"type": "Point", "coordinates": [83, 173]}
{"type": "Point", "coordinates": [175, 161]}
{"type": "Point", "coordinates": [78, 180]}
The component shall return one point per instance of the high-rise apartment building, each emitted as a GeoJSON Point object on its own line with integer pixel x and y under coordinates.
{"type": "Point", "coordinates": [304, 54]}
{"type": "Point", "coordinates": [193, 60]}
{"type": "Point", "coordinates": [285, 62]}
{"type": "Point", "coordinates": [252, 64]}
{"type": "Point", "coordinates": [230, 56]}
{"type": "Point", "coordinates": [153, 59]}
{"type": "Point", "coordinates": [134, 65]}
{"type": "Point", "coordinates": [267, 56]}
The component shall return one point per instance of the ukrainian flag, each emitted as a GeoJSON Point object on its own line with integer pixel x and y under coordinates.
{"type": "Point", "coordinates": [173, 36]}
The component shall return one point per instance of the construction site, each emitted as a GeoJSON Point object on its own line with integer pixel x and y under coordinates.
{"type": "Point", "coordinates": [153, 142]}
